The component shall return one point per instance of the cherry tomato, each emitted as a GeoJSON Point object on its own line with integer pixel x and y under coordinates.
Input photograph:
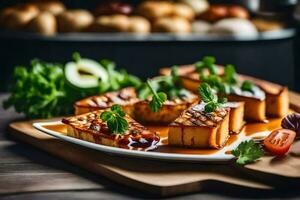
{"type": "Point", "coordinates": [279, 141]}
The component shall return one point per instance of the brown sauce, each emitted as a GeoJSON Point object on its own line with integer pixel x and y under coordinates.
{"type": "Point", "coordinates": [249, 129]}
{"type": "Point", "coordinates": [272, 124]}
{"type": "Point", "coordinates": [61, 128]}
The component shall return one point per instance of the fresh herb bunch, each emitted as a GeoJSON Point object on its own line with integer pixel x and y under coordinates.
{"type": "Point", "coordinates": [210, 98]}
{"type": "Point", "coordinates": [162, 88]}
{"type": "Point", "coordinates": [248, 152]}
{"type": "Point", "coordinates": [158, 98]}
{"type": "Point", "coordinates": [115, 120]}
{"type": "Point", "coordinates": [40, 91]}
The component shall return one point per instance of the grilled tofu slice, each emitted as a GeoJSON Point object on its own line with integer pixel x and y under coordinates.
{"type": "Point", "coordinates": [277, 96]}
{"type": "Point", "coordinates": [197, 129]}
{"type": "Point", "coordinates": [170, 110]}
{"type": "Point", "coordinates": [236, 116]}
{"type": "Point", "coordinates": [91, 128]}
{"type": "Point", "coordinates": [255, 104]}
{"type": "Point", "coordinates": [125, 97]}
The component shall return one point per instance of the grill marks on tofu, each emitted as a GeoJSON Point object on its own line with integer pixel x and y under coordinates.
{"type": "Point", "coordinates": [198, 129]}
{"type": "Point", "coordinates": [91, 128]}
{"type": "Point", "coordinates": [125, 97]}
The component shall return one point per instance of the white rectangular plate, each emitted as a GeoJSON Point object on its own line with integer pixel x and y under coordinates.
{"type": "Point", "coordinates": [219, 156]}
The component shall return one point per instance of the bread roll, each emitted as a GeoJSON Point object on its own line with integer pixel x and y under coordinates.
{"type": "Point", "coordinates": [219, 11]}
{"type": "Point", "coordinates": [54, 7]}
{"type": "Point", "coordinates": [139, 25]}
{"type": "Point", "coordinates": [155, 9]}
{"type": "Point", "coordinates": [113, 23]}
{"type": "Point", "coordinates": [182, 10]}
{"type": "Point", "coordinates": [234, 26]}
{"type": "Point", "coordinates": [172, 25]}
{"type": "Point", "coordinates": [44, 23]}
{"type": "Point", "coordinates": [200, 26]}
{"type": "Point", "coordinates": [18, 17]}
{"type": "Point", "coordinates": [199, 6]}
{"type": "Point", "coordinates": [267, 24]}
{"type": "Point", "coordinates": [74, 20]}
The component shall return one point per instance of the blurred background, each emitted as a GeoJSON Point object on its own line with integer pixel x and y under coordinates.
{"type": "Point", "coordinates": [258, 36]}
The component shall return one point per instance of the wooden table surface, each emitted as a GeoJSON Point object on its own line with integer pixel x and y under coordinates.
{"type": "Point", "coordinates": [45, 177]}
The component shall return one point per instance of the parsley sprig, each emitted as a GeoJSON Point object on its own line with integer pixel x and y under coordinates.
{"type": "Point", "coordinates": [157, 98]}
{"type": "Point", "coordinates": [247, 86]}
{"type": "Point", "coordinates": [162, 88]}
{"type": "Point", "coordinates": [248, 152]}
{"type": "Point", "coordinates": [208, 73]}
{"type": "Point", "coordinates": [115, 120]}
{"type": "Point", "coordinates": [210, 98]}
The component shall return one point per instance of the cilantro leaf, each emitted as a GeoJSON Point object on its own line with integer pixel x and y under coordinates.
{"type": "Point", "coordinates": [247, 86]}
{"type": "Point", "coordinates": [157, 98]}
{"type": "Point", "coordinates": [210, 98]}
{"type": "Point", "coordinates": [208, 62]}
{"type": "Point", "coordinates": [115, 119]}
{"type": "Point", "coordinates": [207, 94]}
{"type": "Point", "coordinates": [230, 75]}
{"type": "Point", "coordinates": [248, 152]}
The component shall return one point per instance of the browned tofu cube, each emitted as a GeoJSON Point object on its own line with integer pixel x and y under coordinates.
{"type": "Point", "coordinates": [197, 129]}
{"type": "Point", "coordinates": [125, 97]}
{"type": "Point", "coordinates": [236, 117]}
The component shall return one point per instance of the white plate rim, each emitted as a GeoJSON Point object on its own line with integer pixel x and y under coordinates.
{"type": "Point", "coordinates": [217, 157]}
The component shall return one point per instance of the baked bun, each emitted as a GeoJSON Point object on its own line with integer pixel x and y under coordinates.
{"type": "Point", "coordinates": [113, 8]}
{"type": "Point", "coordinates": [155, 9]}
{"type": "Point", "coordinates": [121, 23]}
{"type": "Point", "coordinates": [18, 17]}
{"type": "Point", "coordinates": [199, 6]}
{"type": "Point", "coordinates": [111, 23]}
{"type": "Point", "coordinates": [267, 24]}
{"type": "Point", "coordinates": [234, 26]}
{"type": "Point", "coordinates": [200, 26]}
{"type": "Point", "coordinates": [44, 23]}
{"type": "Point", "coordinates": [172, 25]}
{"type": "Point", "coordinates": [74, 20]}
{"type": "Point", "coordinates": [53, 7]}
{"type": "Point", "coordinates": [182, 10]}
{"type": "Point", "coordinates": [139, 25]}
{"type": "Point", "coordinates": [219, 11]}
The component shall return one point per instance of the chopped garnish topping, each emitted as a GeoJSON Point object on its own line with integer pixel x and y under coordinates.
{"type": "Point", "coordinates": [115, 119]}
{"type": "Point", "coordinates": [248, 152]}
{"type": "Point", "coordinates": [210, 98]}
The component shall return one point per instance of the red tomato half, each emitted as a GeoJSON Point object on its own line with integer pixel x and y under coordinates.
{"type": "Point", "coordinates": [279, 141]}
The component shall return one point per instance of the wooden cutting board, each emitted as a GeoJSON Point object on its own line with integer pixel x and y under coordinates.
{"type": "Point", "coordinates": [165, 178]}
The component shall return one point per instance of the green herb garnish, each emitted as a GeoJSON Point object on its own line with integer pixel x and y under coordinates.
{"type": "Point", "coordinates": [157, 98]}
{"type": "Point", "coordinates": [115, 120]}
{"type": "Point", "coordinates": [229, 76]}
{"type": "Point", "coordinates": [248, 152]}
{"type": "Point", "coordinates": [247, 86]}
{"type": "Point", "coordinates": [208, 62]}
{"type": "Point", "coordinates": [210, 98]}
